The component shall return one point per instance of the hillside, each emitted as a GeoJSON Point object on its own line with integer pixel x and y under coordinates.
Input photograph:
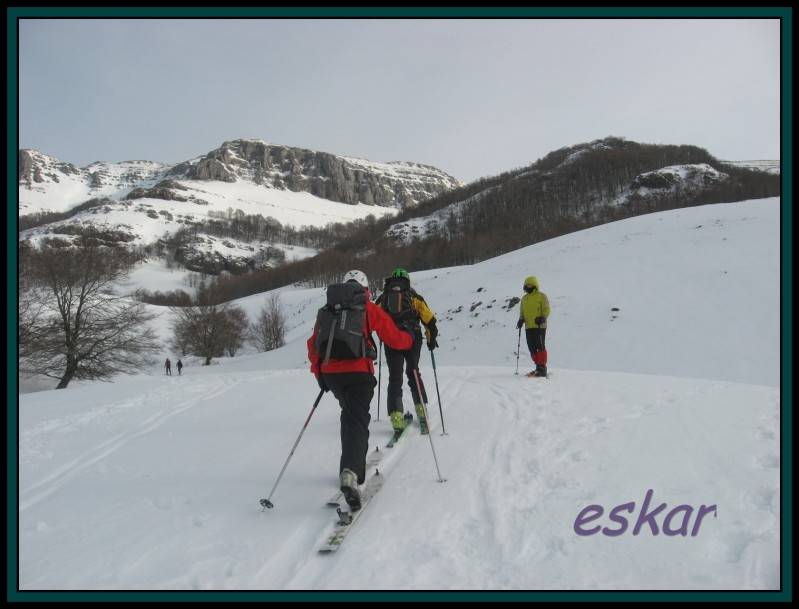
{"type": "Point", "coordinates": [568, 190]}
{"type": "Point", "coordinates": [578, 187]}
{"type": "Point", "coordinates": [269, 188]}
{"type": "Point", "coordinates": [157, 479]}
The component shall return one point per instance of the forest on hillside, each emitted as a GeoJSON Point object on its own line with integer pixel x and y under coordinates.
{"type": "Point", "coordinates": [548, 199]}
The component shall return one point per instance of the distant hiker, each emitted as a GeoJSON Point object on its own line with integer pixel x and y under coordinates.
{"type": "Point", "coordinates": [533, 313]}
{"type": "Point", "coordinates": [168, 366]}
{"type": "Point", "coordinates": [180, 367]}
{"type": "Point", "coordinates": [407, 308]}
{"type": "Point", "coordinates": [341, 351]}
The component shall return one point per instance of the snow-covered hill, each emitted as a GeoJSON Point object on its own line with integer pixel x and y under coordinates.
{"type": "Point", "coordinates": [138, 202]}
{"type": "Point", "coordinates": [49, 184]}
{"type": "Point", "coordinates": [664, 349]}
{"type": "Point", "coordinates": [684, 179]}
{"type": "Point", "coordinates": [573, 187]}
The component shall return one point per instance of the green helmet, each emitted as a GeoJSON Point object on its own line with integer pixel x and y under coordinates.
{"type": "Point", "coordinates": [400, 272]}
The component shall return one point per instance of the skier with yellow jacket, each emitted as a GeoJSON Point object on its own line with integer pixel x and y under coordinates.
{"type": "Point", "coordinates": [407, 308]}
{"type": "Point", "coordinates": [533, 313]}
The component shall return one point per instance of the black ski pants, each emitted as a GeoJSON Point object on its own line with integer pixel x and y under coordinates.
{"type": "Point", "coordinates": [409, 359]}
{"type": "Point", "coordinates": [354, 392]}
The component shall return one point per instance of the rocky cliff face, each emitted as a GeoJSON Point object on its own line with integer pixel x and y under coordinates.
{"type": "Point", "coordinates": [332, 177]}
{"type": "Point", "coordinates": [324, 175]}
{"type": "Point", "coordinates": [38, 168]}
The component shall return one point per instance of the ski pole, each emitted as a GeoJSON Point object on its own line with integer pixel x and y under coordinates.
{"type": "Point", "coordinates": [424, 409]}
{"type": "Point", "coordinates": [266, 503]}
{"type": "Point", "coordinates": [435, 376]}
{"type": "Point", "coordinates": [518, 346]}
{"type": "Point", "coordinates": [379, 377]}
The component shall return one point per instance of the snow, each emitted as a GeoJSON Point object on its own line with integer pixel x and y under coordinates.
{"type": "Point", "coordinates": [688, 177]}
{"type": "Point", "coordinates": [157, 479]}
{"type": "Point", "coordinates": [154, 275]}
{"type": "Point", "coordinates": [420, 227]}
{"type": "Point", "coordinates": [286, 206]}
{"type": "Point", "coordinates": [118, 179]}
{"type": "Point", "coordinates": [404, 170]}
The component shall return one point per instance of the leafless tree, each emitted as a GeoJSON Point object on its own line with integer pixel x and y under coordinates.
{"type": "Point", "coordinates": [269, 329]}
{"type": "Point", "coordinates": [76, 324]}
{"type": "Point", "coordinates": [237, 325]}
{"type": "Point", "coordinates": [208, 330]}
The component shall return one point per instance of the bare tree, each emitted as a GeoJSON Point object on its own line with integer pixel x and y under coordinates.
{"type": "Point", "coordinates": [269, 329]}
{"type": "Point", "coordinates": [202, 328]}
{"type": "Point", "coordinates": [75, 324]}
{"type": "Point", "coordinates": [31, 320]}
{"type": "Point", "coordinates": [237, 325]}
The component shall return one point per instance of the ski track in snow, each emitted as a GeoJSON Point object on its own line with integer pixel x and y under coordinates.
{"type": "Point", "coordinates": [511, 458]}
{"type": "Point", "coordinates": [45, 487]}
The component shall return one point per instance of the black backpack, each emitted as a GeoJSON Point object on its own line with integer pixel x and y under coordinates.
{"type": "Point", "coordinates": [397, 301]}
{"type": "Point", "coordinates": [341, 332]}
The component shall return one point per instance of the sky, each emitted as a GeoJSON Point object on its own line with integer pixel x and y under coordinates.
{"type": "Point", "coordinates": [472, 97]}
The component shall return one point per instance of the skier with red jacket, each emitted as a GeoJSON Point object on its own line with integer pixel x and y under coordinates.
{"type": "Point", "coordinates": [342, 353]}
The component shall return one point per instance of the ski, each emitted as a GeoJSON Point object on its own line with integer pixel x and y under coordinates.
{"type": "Point", "coordinates": [372, 459]}
{"type": "Point", "coordinates": [347, 518]}
{"type": "Point", "coordinates": [398, 434]}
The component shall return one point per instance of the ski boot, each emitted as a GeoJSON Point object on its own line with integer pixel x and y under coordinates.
{"type": "Point", "coordinates": [539, 371]}
{"type": "Point", "coordinates": [422, 419]}
{"type": "Point", "coordinates": [398, 421]}
{"type": "Point", "coordinates": [349, 488]}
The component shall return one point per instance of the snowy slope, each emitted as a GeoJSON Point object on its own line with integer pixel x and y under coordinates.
{"type": "Point", "coordinates": [157, 479]}
{"type": "Point", "coordinates": [54, 185]}
{"type": "Point", "coordinates": [686, 283]}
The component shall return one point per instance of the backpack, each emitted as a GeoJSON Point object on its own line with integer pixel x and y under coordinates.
{"type": "Point", "coordinates": [397, 301]}
{"type": "Point", "coordinates": [341, 332]}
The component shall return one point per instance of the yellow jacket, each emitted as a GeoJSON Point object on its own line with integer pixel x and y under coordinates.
{"type": "Point", "coordinates": [534, 304]}
{"type": "Point", "coordinates": [425, 314]}
{"type": "Point", "coordinates": [421, 308]}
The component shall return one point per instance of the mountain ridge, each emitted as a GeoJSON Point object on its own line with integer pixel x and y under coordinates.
{"type": "Point", "coordinates": [338, 178]}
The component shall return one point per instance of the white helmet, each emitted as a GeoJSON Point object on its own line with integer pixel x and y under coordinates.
{"type": "Point", "coordinates": [357, 276]}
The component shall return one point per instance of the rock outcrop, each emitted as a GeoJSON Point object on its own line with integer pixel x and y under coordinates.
{"type": "Point", "coordinates": [336, 178]}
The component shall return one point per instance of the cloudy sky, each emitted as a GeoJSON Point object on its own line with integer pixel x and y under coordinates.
{"type": "Point", "coordinates": [474, 98]}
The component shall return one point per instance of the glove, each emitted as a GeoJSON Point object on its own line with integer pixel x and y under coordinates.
{"type": "Point", "coordinates": [519, 324]}
{"type": "Point", "coordinates": [432, 334]}
{"type": "Point", "coordinates": [541, 320]}
{"type": "Point", "coordinates": [321, 382]}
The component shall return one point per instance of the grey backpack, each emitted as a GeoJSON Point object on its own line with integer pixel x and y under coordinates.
{"type": "Point", "coordinates": [341, 332]}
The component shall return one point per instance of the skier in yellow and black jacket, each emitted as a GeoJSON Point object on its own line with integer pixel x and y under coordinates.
{"type": "Point", "coordinates": [533, 313]}
{"type": "Point", "coordinates": [407, 308]}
